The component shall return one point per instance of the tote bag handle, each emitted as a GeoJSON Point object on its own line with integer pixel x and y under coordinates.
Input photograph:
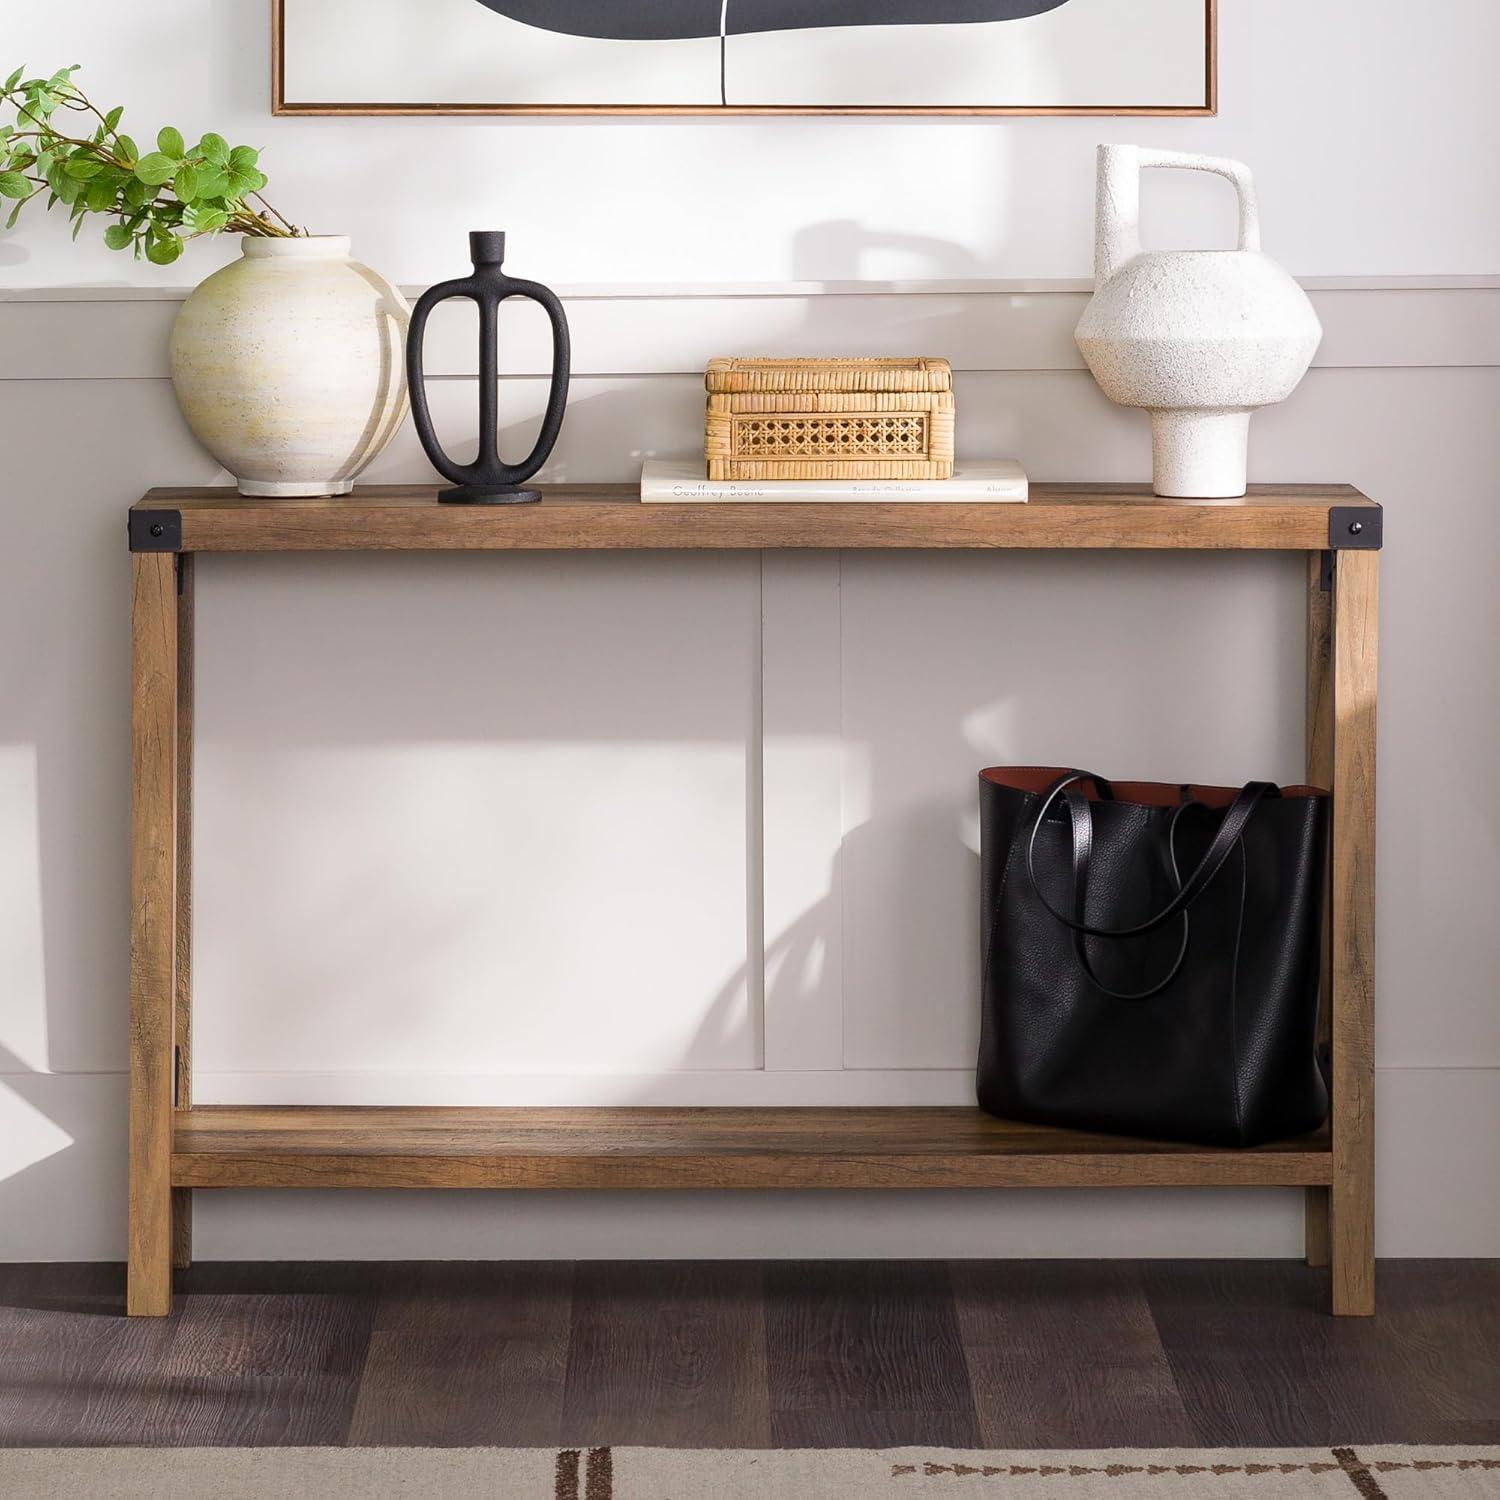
{"type": "Point", "coordinates": [1230, 829]}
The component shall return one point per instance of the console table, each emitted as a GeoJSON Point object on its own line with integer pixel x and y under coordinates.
{"type": "Point", "coordinates": [176, 1148]}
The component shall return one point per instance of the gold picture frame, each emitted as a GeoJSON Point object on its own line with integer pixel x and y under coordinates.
{"type": "Point", "coordinates": [281, 104]}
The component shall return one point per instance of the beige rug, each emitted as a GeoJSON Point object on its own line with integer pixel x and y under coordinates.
{"type": "Point", "coordinates": [661, 1474]}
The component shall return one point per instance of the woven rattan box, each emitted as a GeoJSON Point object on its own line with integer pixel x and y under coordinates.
{"type": "Point", "coordinates": [829, 419]}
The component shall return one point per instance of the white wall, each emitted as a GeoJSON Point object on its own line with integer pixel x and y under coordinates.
{"type": "Point", "coordinates": [1367, 122]}
{"type": "Point", "coordinates": [500, 829]}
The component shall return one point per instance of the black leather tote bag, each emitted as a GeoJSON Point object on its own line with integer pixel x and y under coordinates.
{"type": "Point", "coordinates": [1152, 955]}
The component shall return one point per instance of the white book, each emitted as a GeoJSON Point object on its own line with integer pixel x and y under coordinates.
{"type": "Point", "coordinates": [681, 481]}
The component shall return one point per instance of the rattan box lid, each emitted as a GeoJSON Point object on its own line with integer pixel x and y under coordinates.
{"type": "Point", "coordinates": [743, 376]}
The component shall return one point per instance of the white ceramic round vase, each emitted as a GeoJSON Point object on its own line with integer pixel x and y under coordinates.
{"type": "Point", "coordinates": [290, 367]}
{"type": "Point", "coordinates": [1199, 338]}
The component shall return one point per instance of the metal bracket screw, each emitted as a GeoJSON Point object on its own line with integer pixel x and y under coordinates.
{"type": "Point", "coordinates": [155, 530]}
{"type": "Point", "coordinates": [1356, 527]}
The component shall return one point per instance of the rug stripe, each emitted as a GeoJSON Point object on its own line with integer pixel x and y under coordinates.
{"type": "Point", "coordinates": [1361, 1478]}
{"type": "Point", "coordinates": [567, 1474]}
{"type": "Point", "coordinates": [601, 1474]}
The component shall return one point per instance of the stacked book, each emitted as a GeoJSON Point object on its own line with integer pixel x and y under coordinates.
{"type": "Point", "coordinates": [830, 430]}
{"type": "Point", "coordinates": [675, 482]}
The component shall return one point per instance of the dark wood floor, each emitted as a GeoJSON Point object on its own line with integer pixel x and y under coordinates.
{"type": "Point", "coordinates": [968, 1354]}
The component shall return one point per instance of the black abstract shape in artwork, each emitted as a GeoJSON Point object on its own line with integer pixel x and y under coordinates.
{"type": "Point", "coordinates": [677, 20]}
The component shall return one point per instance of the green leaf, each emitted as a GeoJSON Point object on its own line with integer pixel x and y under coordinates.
{"type": "Point", "coordinates": [117, 237]}
{"type": "Point", "coordinates": [13, 185]}
{"type": "Point", "coordinates": [128, 149]}
{"type": "Point", "coordinates": [162, 252]}
{"type": "Point", "coordinates": [78, 219]}
{"type": "Point", "coordinates": [170, 143]}
{"type": "Point", "coordinates": [201, 218]}
{"type": "Point", "coordinates": [15, 214]}
{"type": "Point", "coordinates": [185, 184]}
{"type": "Point", "coordinates": [239, 184]}
{"type": "Point", "coordinates": [243, 158]}
{"type": "Point", "coordinates": [83, 167]}
{"type": "Point", "coordinates": [68, 189]}
{"type": "Point", "coordinates": [155, 168]}
{"type": "Point", "coordinates": [112, 119]}
{"type": "Point", "coordinates": [100, 194]}
{"type": "Point", "coordinates": [212, 183]}
{"type": "Point", "coordinates": [215, 148]}
{"type": "Point", "coordinates": [15, 78]}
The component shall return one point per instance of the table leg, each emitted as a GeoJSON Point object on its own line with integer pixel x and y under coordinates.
{"type": "Point", "coordinates": [153, 928]}
{"type": "Point", "coordinates": [182, 1066]}
{"type": "Point", "coordinates": [1316, 1226]}
{"type": "Point", "coordinates": [1352, 930]}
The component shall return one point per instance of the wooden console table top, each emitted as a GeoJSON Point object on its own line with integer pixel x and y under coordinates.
{"type": "Point", "coordinates": [599, 516]}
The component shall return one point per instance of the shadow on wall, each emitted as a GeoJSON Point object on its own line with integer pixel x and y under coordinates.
{"type": "Point", "coordinates": [612, 698]}
{"type": "Point", "coordinates": [64, 1161]}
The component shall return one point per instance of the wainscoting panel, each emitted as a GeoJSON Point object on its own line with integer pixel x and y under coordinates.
{"type": "Point", "coordinates": [700, 829]}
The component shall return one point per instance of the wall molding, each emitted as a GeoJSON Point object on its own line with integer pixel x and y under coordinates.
{"type": "Point", "coordinates": [802, 1086]}
{"type": "Point", "coordinates": [121, 333]}
{"type": "Point", "coordinates": [624, 291]}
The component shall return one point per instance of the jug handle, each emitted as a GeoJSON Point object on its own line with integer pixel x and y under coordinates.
{"type": "Point", "coordinates": [1236, 171]}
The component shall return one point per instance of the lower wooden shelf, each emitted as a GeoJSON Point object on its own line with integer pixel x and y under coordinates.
{"type": "Point", "coordinates": [280, 1147]}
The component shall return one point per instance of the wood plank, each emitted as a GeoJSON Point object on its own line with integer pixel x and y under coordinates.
{"type": "Point", "coordinates": [376, 518]}
{"type": "Point", "coordinates": [255, 1356]}
{"type": "Point", "coordinates": [268, 1146]}
{"type": "Point", "coordinates": [272, 1355]}
{"type": "Point", "coordinates": [182, 1198]}
{"type": "Point", "coordinates": [1259, 1362]}
{"type": "Point", "coordinates": [1319, 731]}
{"type": "Point", "coordinates": [260, 1356]}
{"type": "Point", "coordinates": [1441, 1321]}
{"type": "Point", "coordinates": [866, 1355]}
{"type": "Point", "coordinates": [466, 1354]}
{"type": "Point", "coordinates": [1352, 930]}
{"type": "Point", "coordinates": [1115, 1387]}
{"type": "Point", "coordinates": [666, 1355]}
{"type": "Point", "coordinates": [153, 927]}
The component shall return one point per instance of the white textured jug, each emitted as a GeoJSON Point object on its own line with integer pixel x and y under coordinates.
{"type": "Point", "coordinates": [1199, 338]}
{"type": "Point", "coordinates": [289, 365]}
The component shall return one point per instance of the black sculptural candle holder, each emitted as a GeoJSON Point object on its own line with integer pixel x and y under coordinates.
{"type": "Point", "coordinates": [489, 480]}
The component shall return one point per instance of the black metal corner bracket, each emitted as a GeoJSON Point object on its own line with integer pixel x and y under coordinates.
{"type": "Point", "coordinates": [1351, 528]}
{"type": "Point", "coordinates": [1355, 528]}
{"type": "Point", "coordinates": [156, 531]}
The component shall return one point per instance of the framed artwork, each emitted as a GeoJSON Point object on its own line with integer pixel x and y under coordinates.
{"type": "Point", "coordinates": [745, 57]}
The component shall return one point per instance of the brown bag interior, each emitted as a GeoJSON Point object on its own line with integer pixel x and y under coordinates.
{"type": "Point", "coordinates": [1037, 779]}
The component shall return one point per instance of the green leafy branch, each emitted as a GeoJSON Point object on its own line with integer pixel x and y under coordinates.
{"type": "Point", "coordinates": [60, 143]}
